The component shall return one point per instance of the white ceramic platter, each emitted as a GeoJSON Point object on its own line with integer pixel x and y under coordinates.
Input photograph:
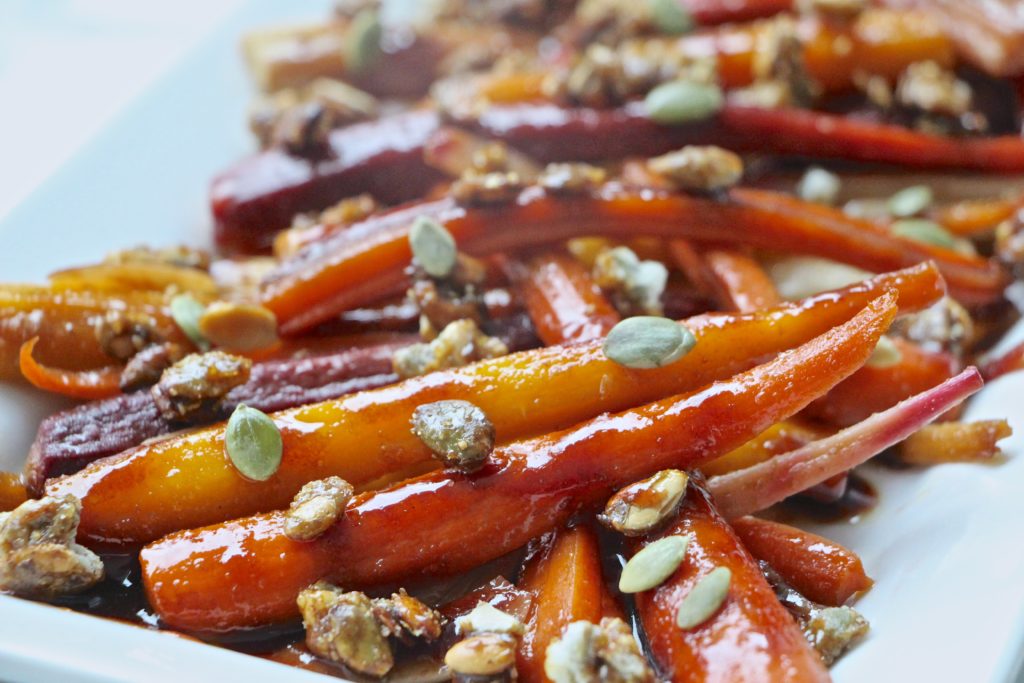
{"type": "Point", "coordinates": [944, 545]}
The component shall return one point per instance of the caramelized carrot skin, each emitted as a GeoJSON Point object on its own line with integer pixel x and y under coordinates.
{"type": "Point", "coordinates": [368, 260]}
{"type": "Point", "coordinates": [187, 481]}
{"type": "Point", "coordinates": [778, 439]}
{"type": "Point", "coordinates": [83, 384]}
{"type": "Point", "coordinates": [564, 302]}
{"type": "Point", "coordinates": [735, 279]}
{"type": "Point", "coordinates": [750, 639]}
{"type": "Point", "coordinates": [247, 572]}
{"type": "Point", "coordinates": [872, 389]}
{"type": "Point", "coordinates": [568, 586]}
{"type": "Point", "coordinates": [818, 568]}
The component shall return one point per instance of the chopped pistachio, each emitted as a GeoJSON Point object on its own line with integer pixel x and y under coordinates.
{"type": "Point", "coordinates": [653, 564]}
{"type": "Point", "coordinates": [433, 247]}
{"type": "Point", "coordinates": [699, 168]}
{"type": "Point", "coordinates": [671, 16]}
{"type": "Point", "coordinates": [681, 102]}
{"type": "Point", "coordinates": [316, 507]}
{"type": "Point", "coordinates": [186, 312]}
{"type": "Point", "coordinates": [911, 201]}
{"type": "Point", "coordinates": [819, 186]}
{"type": "Point", "coordinates": [457, 432]}
{"type": "Point", "coordinates": [485, 618]}
{"type": "Point", "coordinates": [589, 653]}
{"type": "Point", "coordinates": [704, 599]}
{"type": "Point", "coordinates": [645, 342]}
{"type": "Point", "coordinates": [922, 230]}
{"type": "Point", "coordinates": [486, 654]}
{"type": "Point", "coordinates": [643, 506]}
{"type": "Point", "coordinates": [342, 627]}
{"type": "Point", "coordinates": [253, 443]}
{"type": "Point", "coordinates": [886, 354]}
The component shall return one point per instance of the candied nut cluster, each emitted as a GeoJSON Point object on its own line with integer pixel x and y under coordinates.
{"type": "Point", "coordinates": [316, 507]}
{"type": "Point", "coordinates": [495, 187]}
{"type": "Point", "coordinates": [122, 335]}
{"type": "Point", "coordinates": [944, 326]}
{"type": "Point", "coordinates": [699, 168]}
{"type": "Point", "coordinates": [194, 387]}
{"type": "Point", "coordinates": [605, 653]}
{"type": "Point", "coordinates": [645, 505]}
{"type": "Point", "coordinates": [458, 433]}
{"type": "Point", "coordinates": [38, 553]}
{"type": "Point", "coordinates": [458, 344]}
{"type": "Point", "coordinates": [635, 286]}
{"type": "Point", "coordinates": [571, 178]}
{"type": "Point", "coordinates": [928, 87]}
{"type": "Point", "coordinates": [353, 630]}
{"type": "Point", "coordinates": [145, 368]}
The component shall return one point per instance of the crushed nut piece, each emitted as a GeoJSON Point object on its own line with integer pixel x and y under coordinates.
{"type": "Point", "coordinates": [406, 618]}
{"type": "Point", "coordinates": [316, 507]}
{"type": "Point", "coordinates": [194, 386]}
{"type": "Point", "coordinates": [182, 256]}
{"type": "Point", "coordinates": [485, 618]}
{"type": "Point", "coordinates": [496, 187]}
{"type": "Point", "coordinates": [343, 628]}
{"type": "Point", "coordinates": [38, 553]}
{"type": "Point", "coordinates": [928, 87]}
{"type": "Point", "coordinates": [643, 506]}
{"type": "Point", "coordinates": [121, 334]}
{"type": "Point", "coordinates": [302, 118]}
{"type": "Point", "coordinates": [458, 344]}
{"type": "Point", "coordinates": [487, 654]}
{"type": "Point", "coordinates": [699, 168]}
{"type": "Point", "coordinates": [604, 653]}
{"type": "Point", "coordinates": [636, 286]}
{"type": "Point", "coordinates": [779, 57]}
{"type": "Point", "coordinates": [442, 303]}
{"type": "Point", "coordinates": [238, 327]}
{"type": "Point", "coordinates": [458, 433]}
{"type": "Point", "coordinates": [147, 366]}
{"type": "Point", "coordinates": [571, 178]}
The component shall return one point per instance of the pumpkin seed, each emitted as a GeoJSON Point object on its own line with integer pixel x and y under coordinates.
{"type": "Point", "coordinates": [362, 44]}
{"type": "Point", "coordinates": [433, 247]}
{"type": "Point", "coordinates": [683, 101]}
{"type": "Point", "coordinates": [911, 201]}
{"type": "Point", "coordinates": [704, 599]}
{"type": "Point", "coordinates": [819, 186]}
{"type": "Point", "coordinates": [921, 230]}
{"type": "Point", "coordinates": [186, 312]}
{"type": "Point", "coordinates": [886, 354]}
{"type": "Point", "coordinates": [647, 342]}
{"type": "Point", "coordinates": [238, 327]}
{"type": "Point", "coordinates": [670, 16]}
{"type": "Point", "coordinates": [253, 443]}
{"type": "Point", "coordinates": [652, 565]}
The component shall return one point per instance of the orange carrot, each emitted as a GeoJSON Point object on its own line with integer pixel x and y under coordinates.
{"type": "Point", "coordinates": [84, 384]}
{"type": "Point", "coordinates": [954, 442]}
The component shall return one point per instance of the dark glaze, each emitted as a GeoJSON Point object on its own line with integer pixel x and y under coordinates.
{"type": "Point", "coordinates": [261, 194]}
{"type": "Point", "coordinates": [859, 498]}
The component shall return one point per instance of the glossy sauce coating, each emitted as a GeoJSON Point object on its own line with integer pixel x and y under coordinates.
{"type": "Point", "coordinates": [751, 638]}
{"type": "Point", "coordinates": [248, 572]}
{"type": "Point", "coordinates": [187, 481]}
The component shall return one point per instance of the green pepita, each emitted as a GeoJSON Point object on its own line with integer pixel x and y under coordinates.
{"type": "Point", "coordinates": [671, 17]}
{"type": "Point", "coordinates": [651, 566]}
{"type": "Point", "coordinates": [362, 44]}
{"type": "Point", "coordinates": [680, 102]}
{"type": "Point", "coordinates": [186, 311]}
{"type": "Point", "coordinates": [704, 599]}
{"type": "Point", "coordinates": [819, 186]}
{"type": "Point", "coordinates": [433, 247]}
{"type": "Point", "coordinates": [253, 443]}
{"type": "Point", "coordinates": [886, 354]}
{"type": "Point", "coordinates": [922, 230]}
{"type": "Point", "coordinates": [911, 201]}
{"type": "Point", "coordinates": [644, 342]}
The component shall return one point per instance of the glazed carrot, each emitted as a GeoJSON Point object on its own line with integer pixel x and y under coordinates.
{"type": "Point", "coordinates": [818, 568]}
{"type": "Point", "coordinates": [1011, 361]}
{"type": "Point", "coordinates": [84, 384]}
{"type": "Point", "coordinates": [736, 280]}
{"type": "Point", "coordinates": [954, 442]}
{"type": "Point", "coordinates": [779, 438]}
{"type": "Point", "coordinates": [751, 638]}
{"type": "Point", "coordinates": [880, 42]}
{"type": "Point", "coordinates": [974, 217]}
{"type": "Point", "coordinates": [187, 481]}
{"type": "Point", "coordinates": [248, 572]}
{"type": "Point", "coordinates": [872, 389]}
{"type": "Point", "coordinates": [822, 135]}
{"type": "Point", "coordinates": [65, 322]}
{"type": "Point", "coordinates": [12, 491]}
{"type": "Point", "coordinates": [563, 301]}
{"type": "Point", "coordinates": [568, 586]}
{"type": "Point", "coordinates": [368, 260]}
